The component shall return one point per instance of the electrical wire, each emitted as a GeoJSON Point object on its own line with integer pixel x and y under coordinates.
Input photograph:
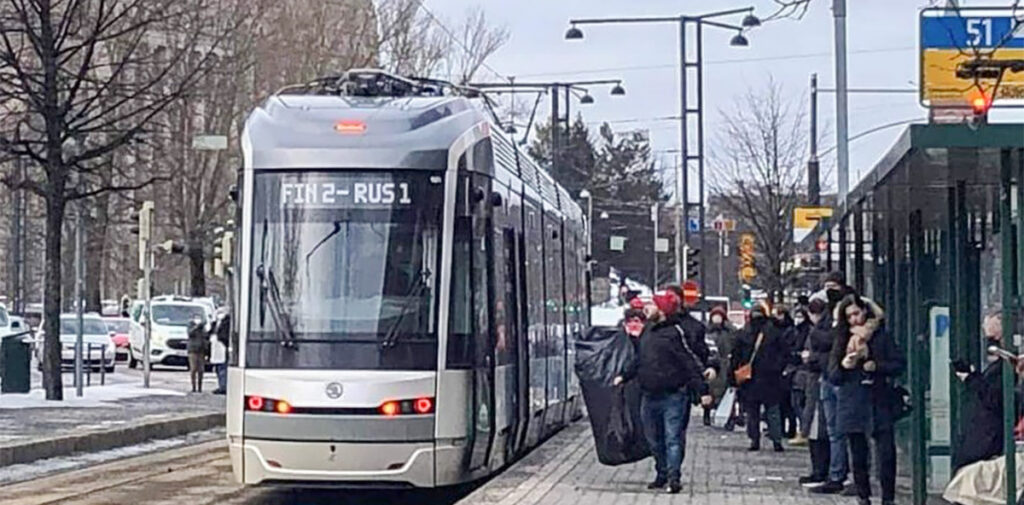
{"type": "Point", "coordinates": [675, 66]}
{"type": "Point", "coordinates": [440, 24]}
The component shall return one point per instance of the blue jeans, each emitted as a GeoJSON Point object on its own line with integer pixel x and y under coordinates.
{"type": "Point", "coordinates": [839, 466]}
{"type": "Point", "coordinates": [222, 376]}
{"type": "Point", "coordinates": [665, 417]}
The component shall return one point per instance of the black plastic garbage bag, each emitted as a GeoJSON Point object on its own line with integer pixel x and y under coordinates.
{"type": "Point", "coordinates": [614, 411]}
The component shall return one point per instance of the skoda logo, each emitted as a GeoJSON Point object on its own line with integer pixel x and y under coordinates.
{"type": "Point", "coordinates": [334, 390]}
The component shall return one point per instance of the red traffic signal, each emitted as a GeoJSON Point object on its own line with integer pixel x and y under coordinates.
{"type": "Point", "coordinates": [980, 105]}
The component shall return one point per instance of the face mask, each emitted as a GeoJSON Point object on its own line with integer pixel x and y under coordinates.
{"type": "Point", "coordinates": [833, 296]}
{"type": "Point", "coordinates": [634, 327]}
{"type": "Point", "coordinates": [798, 319]}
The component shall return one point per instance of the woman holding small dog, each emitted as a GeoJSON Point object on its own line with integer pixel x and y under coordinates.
{"type": "Point", "coordinates": [863, 363]}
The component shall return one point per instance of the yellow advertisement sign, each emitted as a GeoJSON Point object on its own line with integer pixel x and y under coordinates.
{"type": "Point", "coordinates": [808, 217]}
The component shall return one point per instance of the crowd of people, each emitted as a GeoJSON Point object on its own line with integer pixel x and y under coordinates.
{"type": "Point", "coordinates": [821, 375]}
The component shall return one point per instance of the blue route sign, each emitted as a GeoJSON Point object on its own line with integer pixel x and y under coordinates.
{"type": "Point", "coordinates": [969, 31]}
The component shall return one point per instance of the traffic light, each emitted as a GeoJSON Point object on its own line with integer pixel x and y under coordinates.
{"type": "Point", "coordinates": [745, 298]}
{"type": "Point", "coordinates": [144, 229]}
{"type": "Point", "coordinates": [980, 105]}
{"type": "Point", "coordinates": [693, 263]}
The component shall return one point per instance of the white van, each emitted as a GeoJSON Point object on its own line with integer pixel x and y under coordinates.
{"type": "Point", "coordinates": [169, 342]}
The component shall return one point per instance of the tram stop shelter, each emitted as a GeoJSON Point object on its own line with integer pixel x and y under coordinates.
{"type": "Point", "coordinates": [932, 234]}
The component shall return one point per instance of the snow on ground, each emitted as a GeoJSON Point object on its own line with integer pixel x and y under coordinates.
{"type": "Point", "coordinates": [26, 471]}
{"type": "Point", "coordinates": [92, 397]}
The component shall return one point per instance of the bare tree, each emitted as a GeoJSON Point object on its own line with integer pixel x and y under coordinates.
{"type": "Point", "coordinates": [81, 80]}
{"type": "Point", "coordinates": [476, 40]}
{"type": "Point", "coordinates": [758, 175]}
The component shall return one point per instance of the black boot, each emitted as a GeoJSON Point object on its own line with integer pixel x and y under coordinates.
{"type": "Point", "coordinates": [675, 487]}
{"type": "Point", "coordinates": [778, 446]}
{"type": "Point", "coordinates": [754, 447]}
{"type": "Point", "coordinates": [659, 483]}
{"type": "Point", "coordinates": [707, 417]}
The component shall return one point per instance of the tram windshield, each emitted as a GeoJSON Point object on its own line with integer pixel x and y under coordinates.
{"type": "Point", "coordinates": [345, 270]}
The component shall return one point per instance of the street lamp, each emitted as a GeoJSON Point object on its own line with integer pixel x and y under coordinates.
{"type": "Point", "coordinates": [683, 22]}
{"type": "Point", "coordinates": [586, 99]}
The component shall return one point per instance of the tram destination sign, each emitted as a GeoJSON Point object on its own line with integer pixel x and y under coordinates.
{"type": "Point", "coordinates": [965, 52]}
{"type": "Point", "coordinates": [351, 191]}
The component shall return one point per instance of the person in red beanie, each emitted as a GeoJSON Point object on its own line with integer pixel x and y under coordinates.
{"type": "Point", "coordinates": [668, 371]}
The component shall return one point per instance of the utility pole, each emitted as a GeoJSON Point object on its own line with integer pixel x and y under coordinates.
{"type": "Point", "coordinates": [556, 137]}
{"type": "Point", "coordinates": [813, 166]}
{"type": "Point", "coordinates": [842, 121]}
{"type": "Point", "coordinates": [79, 292]}
{"type": "Point", "coordinates": [654, 218]}
{"type": "Point", "coordinates": [680, 206]}
{"type": "Point", "coordinates": [146, 265]}
{"type": "Point", "coordinates": [721, 259]}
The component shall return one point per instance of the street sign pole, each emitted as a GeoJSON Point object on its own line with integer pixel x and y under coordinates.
{"type": "Point", "coordinates": [79, 288]}
{"type": "Point", "coordinates": [654, 217]}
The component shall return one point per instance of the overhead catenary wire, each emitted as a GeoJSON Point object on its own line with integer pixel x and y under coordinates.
{"type": "Point", "coordinates": [730, 61]}
{"type": "Point", "coordinates": [448, 31]}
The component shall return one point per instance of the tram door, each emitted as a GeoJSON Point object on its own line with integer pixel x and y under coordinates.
{"type": "Point", "coordinates": [482, 421]}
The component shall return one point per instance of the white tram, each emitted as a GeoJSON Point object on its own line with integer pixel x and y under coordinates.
{"type": "Point", "coordinates": [409, 287]}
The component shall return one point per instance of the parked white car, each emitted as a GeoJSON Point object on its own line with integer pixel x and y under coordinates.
{"type": "Point", "coordinates": [169, 341]}
{"type": "Point", "coordinates": [94, 335]}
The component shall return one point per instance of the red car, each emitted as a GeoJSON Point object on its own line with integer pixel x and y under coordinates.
{"type": "Point", "coordinates": [119, 328]}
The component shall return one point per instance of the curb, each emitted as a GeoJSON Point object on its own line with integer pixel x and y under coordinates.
{"type": "Point", "coordinates": [107, 439]}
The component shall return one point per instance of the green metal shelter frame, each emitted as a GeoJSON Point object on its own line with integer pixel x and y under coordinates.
{"type": "Point", "coordinates": [932, 231]}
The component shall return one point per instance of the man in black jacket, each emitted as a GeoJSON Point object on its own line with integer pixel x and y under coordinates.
{"type": "Point", "coordinates": [668, 369]}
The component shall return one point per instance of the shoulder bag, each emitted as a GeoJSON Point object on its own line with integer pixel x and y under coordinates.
{"type": "Point", "coordinates": [744, 373]}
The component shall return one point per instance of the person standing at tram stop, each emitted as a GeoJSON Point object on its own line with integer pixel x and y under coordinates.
{"type": "Point", "coordinates": [198, 347]}
{"type": "Point", "coordinates": [863, 362]}
{"type": "Point", "coordinates": [721, 332]}
{"type": "Point", "coordinates": [814, 357]}
{"type": "Point", "coordinates": [796, 375]}
{"type": "Point", "coordinates": [219, 351]}
{"type": "Point", "coordinates": [668, 371]}
{"type": "Point", "coordinates": [833, 289]}
{"type": "Point", "coordinates": [761, 347]}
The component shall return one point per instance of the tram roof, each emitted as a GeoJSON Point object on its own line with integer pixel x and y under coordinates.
{"type": "Point", "coordinates": [331, 131]}
{"type": "Point", "coordinates": [303, 131]}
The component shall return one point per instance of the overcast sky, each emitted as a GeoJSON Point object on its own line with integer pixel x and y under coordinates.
{"type": "Point", "coordinates": [882, 52]}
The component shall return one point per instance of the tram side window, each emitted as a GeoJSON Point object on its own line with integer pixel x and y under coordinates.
{"type": "Point", "coordinates": [460, 306]}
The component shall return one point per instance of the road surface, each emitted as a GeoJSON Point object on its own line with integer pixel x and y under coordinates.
{"type": "Point", "coordinates": [195, 475]}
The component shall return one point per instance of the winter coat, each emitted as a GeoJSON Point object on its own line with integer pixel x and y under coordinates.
{"type": "Point", "coordinates": [724, 337]}
{"type": "Point", "coordinates": [696, 341]}
{"type": "Point", "coordinates": [219, 341]}
{"type": "Point", "coordinates": [665, 365]}
{"type": "Point", "coordinates": [766, 385]}
{"type": "Point", "coordinates": [818, 344]}
{"type": "Point", "coordinates": [984, 417]}
{"type": "Point", "coordinates": [198, 339]}
{"type": "Point", "coordinates": [866, 402]}
{"type": "Point", "coordinates": [795, 373]}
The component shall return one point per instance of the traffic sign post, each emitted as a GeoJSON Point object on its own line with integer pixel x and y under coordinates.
{"type": "Point", "coordinates": [970, 56]}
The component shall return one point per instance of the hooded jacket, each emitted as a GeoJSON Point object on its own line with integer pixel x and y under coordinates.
{"type": "Point", "coordinates": [665, 365]}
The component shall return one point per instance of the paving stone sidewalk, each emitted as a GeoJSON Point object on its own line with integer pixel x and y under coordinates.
{"type": "Point", "coordinates": [717, 471]}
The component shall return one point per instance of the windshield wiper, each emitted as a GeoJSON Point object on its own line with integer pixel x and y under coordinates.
{"type": "Point", "coordinates": [415, 291]}
{"type": "Point", "coordinates": [335, 231]}
{"type": "Point", "coordinates": [282, 322]}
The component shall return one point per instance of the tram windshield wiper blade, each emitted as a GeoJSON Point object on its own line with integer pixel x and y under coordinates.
{"type": "Point", "coordinates": [415, 291]}
{"type": "Point", "coordinates": [282, 321]}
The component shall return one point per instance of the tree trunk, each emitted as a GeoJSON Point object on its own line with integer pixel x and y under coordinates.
{"type": "Point", "coordinates": [96, 252]}
{"type": "Point", "coordinates": [197, 265]}
{"type": "Point", "coordinates": [52, 380]}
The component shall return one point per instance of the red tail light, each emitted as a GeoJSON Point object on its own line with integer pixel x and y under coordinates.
{"type": "Point", "coordinates": [255, 403]}
{"type": "Point", "coordinates": [390, 409]}
{"type": "Point", "coordinates": [423, 405]}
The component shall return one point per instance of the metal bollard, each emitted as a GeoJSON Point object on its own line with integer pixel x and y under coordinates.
{"type": "Point", "coordinates": [103, 364]}
{"type": "Point", "coordinates": [88, 367]}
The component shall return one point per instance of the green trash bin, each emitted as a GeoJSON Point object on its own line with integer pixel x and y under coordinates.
{"type": "Point", "coordinates": [15, 359]}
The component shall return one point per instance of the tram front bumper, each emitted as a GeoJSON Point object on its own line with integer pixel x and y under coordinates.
{"type": "Point", "coordinates": [296, 463]}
